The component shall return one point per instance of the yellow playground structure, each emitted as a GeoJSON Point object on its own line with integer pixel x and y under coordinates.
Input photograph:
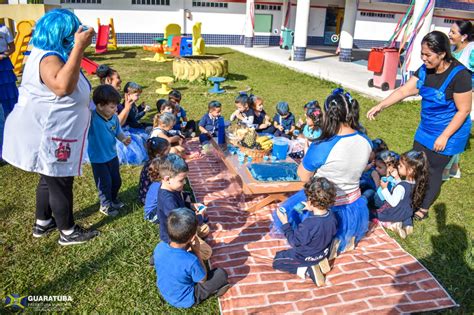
{"type": "Point", "coordinates": [24, 32]}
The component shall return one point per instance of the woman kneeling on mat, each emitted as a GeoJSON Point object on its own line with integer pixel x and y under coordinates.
{"type": "Point", "coordinates": [340, 155]}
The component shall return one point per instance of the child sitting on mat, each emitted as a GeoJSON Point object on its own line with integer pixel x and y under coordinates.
{"type": "Point", "coordinates": [244, 113]}
{"type": "Point", "coordinates": [182, 278]}
{"type": "Point", "coordinates": [155, 147]}
{"type": "Point", "coordinates": [208, 125]}
{"type": "Point", "coordinates": [262, 122]}
{"type": "Point", "coordinates": [311, 239]}
{"type": "Point", "coordinates": [174, 171]}
{"type": "Point", "coordinates": [284, 121]}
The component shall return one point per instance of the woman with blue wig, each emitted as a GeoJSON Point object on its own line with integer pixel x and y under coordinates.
{"type": "Point", "coordinates": [340, 154]}
{"type": "Point", "coordinates": [46, 131]}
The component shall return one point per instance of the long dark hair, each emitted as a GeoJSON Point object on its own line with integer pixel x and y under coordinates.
{"type": "Point", "coordinates": [438, 42]}
{"type": "Point", "coordinates": [465, 28]}
{"type": "Point", "coordinates": [417, 163]}
{"type": "Point", "coordinates": [340, 108]}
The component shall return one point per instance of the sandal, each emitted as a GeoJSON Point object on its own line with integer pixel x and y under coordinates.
{"type": "Point", "coordinates": [419, 217]}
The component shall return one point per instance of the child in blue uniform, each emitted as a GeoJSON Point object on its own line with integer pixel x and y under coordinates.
{"type": "Point", "coordinates": [208, 123]}
{"type": "Point", "coordinates": [155, 147]}
{"type": "Point", "coordinates": [311, 239]}
{"type": "Point", "coordinates": [397, 211]}
{"type": "Point", "coordinates": [283, 121]}
{"type": "Point", "coordinates": [104, 129]}
{"type": "Point", "coordinates": [174, 171]}
{"type": "Point", "coordinates": [244, 113]}
{"type": "Point", "coordinates": [262, 122]}
{"type": "Point", "coordinates": [182, 278]}
{"type": "Point", "coordinates": [183, 124]}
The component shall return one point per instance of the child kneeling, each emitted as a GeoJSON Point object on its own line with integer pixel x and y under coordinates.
{"type": "Point", "coordinates": [181, 274]}
{"type": "Point", "coordinates": [311, 239]}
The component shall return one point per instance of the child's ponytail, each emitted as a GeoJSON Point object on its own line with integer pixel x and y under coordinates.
{"type": "Point", "coordinates": [315, 114]}
{"type": "Point", "coordinates": [417, 164]}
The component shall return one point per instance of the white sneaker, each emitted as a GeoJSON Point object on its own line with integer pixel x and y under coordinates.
{"type": "Point", "coordinates": [457, 175]}
{"type": "Point", "coordinates": [108, 211]}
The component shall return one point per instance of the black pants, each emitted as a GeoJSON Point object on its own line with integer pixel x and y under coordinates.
{"type": "Point", "coordinates": [54, 198]}
{"type": "Point", "coordinates": [216, 279]}
{"type": "Point", "coordinates": [436, 163]}
{"type": "Point", "coordinates": [107, 179]}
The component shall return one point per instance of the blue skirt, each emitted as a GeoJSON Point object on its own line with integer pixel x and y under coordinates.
{"type": "Point", "coordinates": [8, 89]}
{"type": "Point", "coordinates": [133, 154]}
{"type": "Point", "coordinates": [352, 218]}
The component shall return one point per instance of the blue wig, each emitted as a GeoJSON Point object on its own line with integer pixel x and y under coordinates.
{"type": "Point", "coordinates": [55, 31]}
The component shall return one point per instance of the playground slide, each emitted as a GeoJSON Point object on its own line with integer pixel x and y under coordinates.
{"type": "Point", "coordinates": [102, 39]}
{"type": "Point", "coordinates": [89, 65]}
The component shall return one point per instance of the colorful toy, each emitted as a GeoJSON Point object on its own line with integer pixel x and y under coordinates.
{"type": "Point", "coordinates": [165, 88]}
{"type": "Point", "coordinates": [22, 40]}
{"type": "Point", "coordinates": [198, 41]}
{"type": "Point", "coordinates": [186, 48]}
{"type": "Point", "coordinates": [106, 37]}
{"type": "Point", "coordinates": [89, 66]}
{"type": "Point", "coordinates": [159, 51]}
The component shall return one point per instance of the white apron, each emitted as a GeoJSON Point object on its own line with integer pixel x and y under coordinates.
{"type": "Point", "coordinates": [46, 133]}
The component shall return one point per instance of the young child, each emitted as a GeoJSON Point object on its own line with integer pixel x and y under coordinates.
{"type": "Point", "coordinates": [133, 92]}
{"type": "Point", "coordinates": [262, 121]}
{"type": "Point", "coordinates": [104, 128]}
{"type": "Point", "coordinates": [311, 239]}
{"type": "Point", "coordinates": [155, 147]}
{"type": "Point", "coordinates": [314, 120]}
{"type": "Point", "coordinates": [187, 127]}
{"type": "Point", "coordinates": [151, 199]}
{"type": "Point", "coordinates": [167, 107]}
{"type": "Point", "coordinates": [283, 121]}
{"type": "Point", "coordinates": [366, 180]}
{"type": "Point", "coordinates": [162, 126]}
{"type": "Point", "coordinates": [181, 274]}
{"type": "Point", "coordinates": [208, 123]}
{"type": "Point", "coordinates": [301, 123]}
{"type": "Point", "coordinates": [159, 103]}
{"type": "Point", "coordinates": [244, 113]}
{"type": "Point", "coordinates": [406, 197]}
{"type": "Point", "coordinates": [174, 171]}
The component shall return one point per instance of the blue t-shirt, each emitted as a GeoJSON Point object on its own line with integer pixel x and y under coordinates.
{"type": "Point", "coordinates": [210, 124]}
{"type": "Point", "coordinates": [286, 122]}
{"type": "Point", "coordinates": [179, 117]}
{"type": "Point", "coordinates": [151, 202]}
{"type": "Point", "coordinates": [341, 159]}
{"type": "Point", "coordinates": [177, 272]}
{"type": "Point", "coordinates": [311, 134]}
{"type": "Point", "coordinates": [167, 201]}
{"type": "Point", "coordinates": [102, 134]}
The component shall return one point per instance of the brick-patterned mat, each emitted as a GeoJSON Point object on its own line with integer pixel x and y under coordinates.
{"type": "Point", "coordinates": [378, 277]}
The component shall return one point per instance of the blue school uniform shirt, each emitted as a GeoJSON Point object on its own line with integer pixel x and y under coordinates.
{"type": "Point", "coordinates": [179, 118]}
{"type": "Point", "coordinates": [101, 138]}
{"type": "Point", "coordinates": [312, 237]}
{"type": "Point", "coordinates": [177, 272]}
{"type": "Point", "coordinates": [286, 122]}
{"type": "Point", "coordinates": [151, 202]}
{"type": "Point", "coordinates": [310, 133]}
{"type": "Point", "coordinates": [167, 201]}
{"type": "Point", "coordinates": [209, 123]}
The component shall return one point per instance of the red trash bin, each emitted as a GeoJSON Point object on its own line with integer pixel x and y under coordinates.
{"type": "Point", "coordinates": [384, 63]}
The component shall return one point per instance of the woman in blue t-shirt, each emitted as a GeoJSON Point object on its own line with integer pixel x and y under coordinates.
{"type": "Point", "coordinates": [340, 155]}
{"type": "Point", "coordinates": [444, 85]}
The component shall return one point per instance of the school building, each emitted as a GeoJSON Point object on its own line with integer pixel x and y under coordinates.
{"type": "Point", "coordinates": [253, 22]}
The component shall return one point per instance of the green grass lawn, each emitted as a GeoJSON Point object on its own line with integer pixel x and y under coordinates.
{"type": "Point", "coordinates": [111, 273]}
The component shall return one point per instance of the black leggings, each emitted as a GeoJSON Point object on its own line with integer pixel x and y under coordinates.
{"type": "Point", "coordinates": [216, 279]}
{"type": "Point", "coordinates": [436, 163]}
{"type": "Point", "coordinates": [54, 198]}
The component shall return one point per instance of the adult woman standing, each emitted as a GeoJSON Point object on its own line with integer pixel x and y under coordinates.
{"type": "Point", "coordinates": [46, 131]}
{"type": "Point", "coordinates": [340, 154]}
{"type": "Point", "coordinates": [445, 88]}
{"type": "Point", "coordinates": [460, 36]}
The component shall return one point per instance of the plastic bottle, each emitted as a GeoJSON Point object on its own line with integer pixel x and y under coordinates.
{"type": "Point", "coordinates": [220, 130]}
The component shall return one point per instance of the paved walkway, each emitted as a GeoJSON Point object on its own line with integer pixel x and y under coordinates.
{"type": "Point", "coordinates": [323, 63]}
{"type": "Point", "coordinates": [379, 277]}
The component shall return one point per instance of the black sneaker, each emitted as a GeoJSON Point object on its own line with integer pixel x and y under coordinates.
{"type": "Point", "coordinates": [79, 236]}
{"type": "Point", "coordinates": [40, 230]}
{"type": "Point", "coordinates": [222, 290]}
